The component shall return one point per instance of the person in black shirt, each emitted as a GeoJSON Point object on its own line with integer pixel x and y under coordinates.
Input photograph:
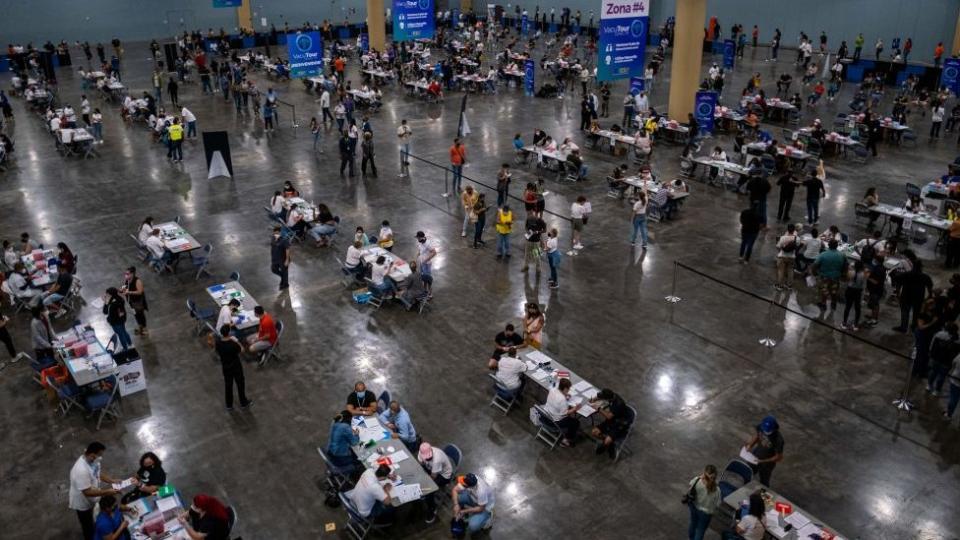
{"type": "Point", "coordinates": [915, 286]}
{"type": "Point", "coordinates": [361, 402]}
{"type": "Point", "coordinates": [586, 112]}
{"type": "Point", "coordinates": [788, 184]}
{"type": "Point", "coordinates": [749, 230]}
{"type": "Point", "coordinates": [758, 188]}
{"type": "Point", "coordinates": [617, 418]}
{"type": "Point", "coordinates": [280, 257]}
{"type": "Point", "coordinates": [535, 227]}
{"type": "Point", "coordinates": [229, 349]}
{"type": "Point", "coordinates": [767, 446]}
{"type": "Point", "coordinates": [815, 191]}
{"type": "Point", "coordinates": [150, 475]}
{"type": "Point", "coordinates": [506, 340]}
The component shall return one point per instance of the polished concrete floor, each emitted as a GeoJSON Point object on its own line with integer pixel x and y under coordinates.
{"type": "Point", "coordinates": [694, 371]}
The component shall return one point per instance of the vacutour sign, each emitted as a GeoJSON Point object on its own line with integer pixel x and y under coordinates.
{"type": "Point", "coordinates": [305, 52]}
{"type": "Point", "coordinates": [412, 19]}
{"type": "Point", "coordinates": [624, 25]}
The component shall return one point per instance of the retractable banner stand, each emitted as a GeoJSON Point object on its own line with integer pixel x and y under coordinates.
{"type": "Point", "coordinates": [950, 77]}
{"type": "Point", "coordinates": [729, 53]}
{"type": "Point", "coordinates": [623, 30]}
{"type": "Point", "coordinates": [524, 25]}
{"type": "Point", "coordinates": [529, 74]}
{"type": "Point", "coordinates": [704, 109]}
{"type": "Point", "coordinates": [637, 85]}
{"type": "Point", "coordinates": [413, 19]}
{"type": "Point", "coordinates": [305, 52]}
{"type": "Point", "coordinates": [216, 146]}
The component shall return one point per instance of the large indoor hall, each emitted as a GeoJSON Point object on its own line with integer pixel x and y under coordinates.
{"type": "Point", "coordinates": [439, 269]}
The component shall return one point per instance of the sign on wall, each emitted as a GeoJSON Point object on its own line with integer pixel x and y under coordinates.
{"type": "Point", "coordinates": [305, 52]}
{"type": "Point", "coordinates": [623, 38]}
{"type": "Point", "coordinates": [412, 19]}
{"type": "Point", "coordinates": [529, 72]}
{"type": "Point", "coordinates": [227, 3]}
{"type": "Point", "coordinates": [703, 110]}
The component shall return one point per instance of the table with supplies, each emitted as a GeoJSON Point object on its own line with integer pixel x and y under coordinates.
{"type": "Point", "coordinates": [76, 141]}
{"type": "Point", "coordinates": [84, 356]}
{"type": "Point", "coordinates": [379, 75]}
{"type": "Point", "coordinates": [176, 239]}
{"type": "Point", "coordinates": [41, 267]}
{"type": "Point", "coordinates": [156, 516]}
{"type": "Point", "coordinates": [412, 480]}
{"type": "Point", "coordinates": [363, 98]}
{"type": "Point", "coordinates": [545, 371]}
{"type": "Point", "coordinates": [616, 139]}
{"type": "Point", "coordinates": [224, 292]}
{"type": "Point", "coordinates": [783, 520]}
{"type": "Point", "coordinates": [307, 209]}
{"type": "Point", "coordinates": [400, 270]}
{"type": "Point", "coordinates": [776, 108]}
{"type": "Point", "coordinates": [889, 211]}
{"type": "Point", "coordinates": [673, 132]}
{"type": "Point", "coordinates": [653, 187]}
{"type": "Point", "coordinates": [723, 166]}
{"type": "Point", "coordinates": [785, 151]}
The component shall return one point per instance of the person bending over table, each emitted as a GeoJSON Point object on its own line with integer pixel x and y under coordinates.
{"type": "Point", "coordinates": [767, 446]}
{"type": "Point", "coordinates": [398, 422]}
{"type": "Point", "coordinates": [342, 438]}
{"type": "Point", "coordinates": [437, 464]}
{"type": "Point", "coordinates": [562, 412]}
{"type": "Point", "coordinates": [208, 519]}
{"type": "Point", "coordinates": [371, 499]}
{"type": "Point", "coordinates": [361, 402]}
{"type": "Point", "coordinates": [507, 370]}
{"type": "Point", "coordinates": [616, 421]}
{"type": "Point", "coordinates": [225, 317]}
{"type": "Point", "coordinates": [413, 288]}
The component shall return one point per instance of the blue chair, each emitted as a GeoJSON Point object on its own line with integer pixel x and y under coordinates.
{"type": "Point", "coordinates": [104, 402]}
{"type": "Point", "coordinates": [383, 402]}
{"type": "Point", "coordinates": [337, 477]}
{"type": "Point", "coordinates": [736, 475]}
{"type": "Point", "coordinates": [235, 276]}
{"type": "Point", "coordinates": [908, 135]}
{"type": "Point", "coordinates": [273, 352]}
{"type": "Point", "coordinates": [547, 429]}
{"type": "Point", "coordinates": [200, 262]}
{"type": "Point", "coordinates": [67, 393]}
{"type": "Point", "coordinates": [200, 315]}
{"type": "Point", "coordinates": [503, 398]}
{"type": "Point", "coordinates": [768, 164]}
{"type": "Point", "coordinates": [456, 456]}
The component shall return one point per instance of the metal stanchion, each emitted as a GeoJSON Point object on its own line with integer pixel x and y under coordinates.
{"type": "Point", "coordinates": [446, 188]}
{"type": "Point", "coordinates": [768, 341]}
{"type": "Point", "coordinates": [673, 298]}
{"type": "Point", "coordinates": [903, 403]}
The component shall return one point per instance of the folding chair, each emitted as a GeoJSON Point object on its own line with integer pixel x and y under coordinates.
{"type": "Point", "coordinates": [67, 394]}
{"type": "Point", "coordinates": [107, 403]}
{"type": "Point", "coordinates": [862, 211]}
{"type": "Point", "coordinates": [547, 429]}
{"type": "Point", "coordinates": [200, 315]}
{"type": "Point", "coordinates": [383, 401]}
{"type": "Point", "coordinates": [503, 398]}
{"type": "Point", "coordinates": [337, 477]}
{"type": "Point", "coordinates": [736, 475]}
{"type": "Point", "coordinates": [456, 456]}
{"type": "Point", "coordinates": [358, 526]}
{"type": "Point", "coordinates": [620, 443]}
{"type": "Point", "coordinates": [908, 135]}
{"type": "Point", "coordinates": [201, 262]}
{"type": "Point", "coordinates": [232, 519]}
{"type": "Point", "coordinates": [423, 304]}
{"type": "Point", "coordinates": [376, 298]}
{"type": "Point", "coordinates": [349, 278]}
{"type": "Point", "coordinates": [235, 276]}
{"type": "Point", "coordinates": [273, 352]}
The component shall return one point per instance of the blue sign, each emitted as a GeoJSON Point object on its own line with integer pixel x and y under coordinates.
{"type": "Point", "coordinates": [305, 52]}
{"type": "Point", "coordinates": [227, 3]}
{"type": "Point", "coordinates": [950, 77]}
{"type": "Point", "coordinates": [637, 85]}
{"type": "Point", "coordinates": [529, 72]}
{"type": "Point", "coordinates": [703, 110]}
{"type": "Point", "coordinates": [454, 18]}
{"type": "Point", "coordinates": [412, 19]}
{"type": "Point", "coordinates": [623, 31]}
{"type": "Point", "coordinates": [364, 42]}
{"type": "Point", "coordinates": [524, 25]}
{"type": "Point", "coordinates": [729, 53]}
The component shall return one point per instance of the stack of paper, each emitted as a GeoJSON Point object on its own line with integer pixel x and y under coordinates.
{"type": "Point", "coordinates": [586, 411]}
{"type": "Point", "coordinates": [582, 386]}
{"type": "Point", "coordinates": [371, 434]}
{"type": "Point", "coordinates": [747, 456]}
{"type": "Point", "coordinates": [538, 357]}
{"type": "Point", "coordinates": [167, 503]}
{"type": "Point", "coordinates": [798, 520]}
{"type": "Point", "coordinates": [539, 374]}
{"type": "Point", "coordinates": [120, 486]}
{"type": "Point", "coordinates": [406, 493]}
{"type": "Point", "coordinates": [807, 530]}
{"type": "Point", "coordinates": [398, 456]}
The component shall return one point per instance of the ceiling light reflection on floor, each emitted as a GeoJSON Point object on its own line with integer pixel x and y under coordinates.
{"type": "Point", "coordinates": [664, 386]}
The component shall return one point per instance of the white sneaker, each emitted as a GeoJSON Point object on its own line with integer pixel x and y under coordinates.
{"type": "Point", "coordinates": [578, 246]}
{"type": "Point", "coordinates": [571, 253]}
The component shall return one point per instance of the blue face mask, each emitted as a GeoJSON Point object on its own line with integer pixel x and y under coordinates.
{"type": "Point", "coordinates": [360, 396]}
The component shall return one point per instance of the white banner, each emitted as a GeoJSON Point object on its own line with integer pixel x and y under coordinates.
{"type": "Point", "coordinates": [624, 9]}
{"type": "Point", "coordinates": [132, 377]}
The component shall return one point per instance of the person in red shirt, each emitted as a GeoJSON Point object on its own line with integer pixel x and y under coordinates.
{"type": "Point", "coordinates": [267, 335]}
{"type": "Point", "coordinates": [458, 156]}
{"type": "Point", "coordinates": [818, 91]}
{"type": "Point", "coordinates": [938, 54]}
{"type": "Point", "coordinates": [338, 65]}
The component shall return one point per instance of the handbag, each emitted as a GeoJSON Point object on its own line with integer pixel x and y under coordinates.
{"type": "Point", "coordinates": [690, 496]}
{"type": "Point", "coordinates": [458, 527]}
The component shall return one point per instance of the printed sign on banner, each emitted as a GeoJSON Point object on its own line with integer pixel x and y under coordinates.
{"type": "Point", "coordinates": [529, 72]}
{"type": "Point", "coordinates": [637, 85]}
{"type": "Point", "coordinates": [524, 25]}
{"type": "Point", "coordinates": [412, 19]}
{"type": "Point", "coordinates": [454, 18]}
{"type": "Point", "coordinates": [305, 52]}
{"type": "Point", "coordinates": [950, 77]}
{"type": "Point", "coordinates": [729, 53]}
{"type": "Point", "coordinates": [703, 110]}
{"type": "Point", "coordinates": [623, 38]}
{"type": "Point", "coordinates": [227, 3]}
{"type": "Point", "coordinates": [364, 42]}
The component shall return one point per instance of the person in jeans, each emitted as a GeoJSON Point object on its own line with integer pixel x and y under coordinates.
{"type": "Point", "coordinates": [404, 134]}
{"type": "Point", "coordinates": [117, 316]}
{"type": "Point", "coordinates": [458, 156]}
{"type": "Point", "coordinates": [704, 502]}
{"type": "Point", "coordinates": [787, 246]}
{"type": "Point", "coordinates": [280, 257]}
{"type": "Point", "coordinates": [468, 199]}
{"type": "Point", "coordinates": [853, 295]}
{"type": "Point", "coordinates": [553, 257]}
{"type": "Point", "coordinates": [815, 192]}
{"type": "Point", "coordinates": [504, 226]}
{"type": "Point", "coordinates": [954, 378]}
{"type": "Point", "coordinates": [640, 220]}
{"type": "Point", "coordinates": [943, 349]}
{"type": "Point", "coordinates": [749, 230]}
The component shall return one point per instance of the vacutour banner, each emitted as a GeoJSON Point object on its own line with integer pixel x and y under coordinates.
{"type": "Point", "coordinates": [623, 30]}
{"type": "Point", "coordinates": [412, 19]}
{"type": "Point", "coordinates": [305, 52]}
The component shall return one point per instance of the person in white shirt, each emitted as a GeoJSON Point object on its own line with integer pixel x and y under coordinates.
{"type": "Point", "coordinates": [385, 238]}
{"type": "Point", "coordinates": [717, 155]}
{"type": "Point", "coordinates": [10, 256]}
{"type": "Point", "coordinates": [643, 104]}
{"type": "Point", "coordinates": [562, 412]}
{"type": "Point", "coordinates": [552, 247]}
{"type": "Point", "coordinates": [155, 244]}
{"type": "Point", "coordinates": [191, 120]}
{"type": "Point", "coordinates": [325, 105]}
{"type": "Point", "coordinates": [438, 466]}
{"type": "Point", "coordinates": [936, 115]}
{"type": "Point", "coordinates": [579, 214]}
{"type": "Point", "coordinates": [370, 498]}
{"type": "Point", "coordinates": [55, 124]}
{"type": "Point", "coordinates": [85, 109]}
{"type": "Point", "coordinates": [787, 247]}
{"type": "Point", "coordinates": [145, 229]}
{"type": "Point", "coordinates": [751, 526]}
{"type": "Point", "coordinates": [17, 285]}
{"type": "Point", "coordinates": [473, 501]}
{"type": "Point", "coordinates": [97, 123]}
{"type": "Point", "coordinates": [381, 284]}
{"type": "Point", "coordinates": [810, 245]}
{"type": "Point", "coordinates": [354, 253]}
{"type": "Point", "coordinates": [85, 478]}
{"type": "Point", "coordinates": [225, 317]}
{"type": "Point", "coordinates": [508, 370]}
{"type": "Point", "coordinates": [276, 204]}
{"type": "Point", "coordinates": [568, 146]}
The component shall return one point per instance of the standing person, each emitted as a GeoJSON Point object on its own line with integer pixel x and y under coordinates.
{"type": "Point", "coordinates": [749, 230]}
{"type": "Point", "coordinates": [915, 287]}
{"type": "Point", "coordinates": [605, 100]}
{"type": "Point", "coordinates": [943, 349]}
{"type": "Point", "coordinates": [404, 134]}
{"type": "Point", "coordinates": [117, 316]}
{"type": "Point", "coordinates": [755, 35]}
{"type": "Point", "coordinates": [157, 79]}
{"type": "Point", "coordinates": [426, 251]}
{"type": "Point", "coordinates": [458, 157]}
{"type": "Point", "coordinates": [829, 267]}
{"type": "Point", "coordinates": [629, 101]}
{"type": "Point", "coordinates": [640, 220]}
{"type": "Point", "coordinates": [767, 446]}
{"type": "Point", "coordinates": [468, 198]}
{"type": "Point", "coordinates": [315, 130]}
{"type": "Point", "coordinates": [172, 89]}
{"type": "Point", "coordinates": [579, 215]}
{"type": "Point", "coordinates": [938, 54]}
{"type": "Point", "coordinates": [366, 151]}
{"type": "Point", "coordinates": [267, 117]}
{"type": "Point", "coordinates": [8, 340]}
{"type": "Point", "coordinates": [85, 479]}
{"type": "Point", "coordinates": [503, 184]}
{"type": "Point", "coordinates": [175, 132]}
{"type": "Point", "coordinates": [787, 246]}
{"type": "Point", "coordinates": [229, 349]}
{"type": "Point", "coordinates": [759, 188]}
{"type": "Point", "coordinates": [534, 227]}
{"type": "Point", "coordinates": [853, 295]}
{"type": "Point", "coordinates": [703, 500]}
{"type": "Point", "coordinates": [815, 191]}
{"type": "Point", "coordinates": [788, 184]}
{"type": "Point", "coordinates": [857, 46]}
{"type": "Point", "coordinates": [936, 115]}
{"type": "Point", "coordinates": [190, 120]}
{"type": "Point", "coordinates": [480, 216]}
{"type": "Point", "coordinates": [504, 226]}
{"type": "Point", "coordinates": [346, 152]}
{"type": "Point", "coordinates": [325, 106]}
{"type": "Point", "coordinates": [878, 48]}
{"type": "Point", "coordinates": [133, 291]}
{"type": "Point", "coordinates": [97, 124]}
{"type": "Point", "coordinates": [280, 257]}
{"type": "Point", "coordinates": [553, 257]}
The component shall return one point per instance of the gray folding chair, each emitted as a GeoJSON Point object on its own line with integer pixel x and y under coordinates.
{"type": "Point", "coordinates": [547, 429]}
{"type": "Point", "coordinates": [503, 398]}
{"type": "Point", "coordinates": [273, 352]}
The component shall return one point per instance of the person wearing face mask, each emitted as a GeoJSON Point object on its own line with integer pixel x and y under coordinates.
{"type": "Point", "coordinates": [229, 349]}
{"type": "Point", "coordinates": [85, 479]}
{"type": "Point", "coordinates": [19, 286]}
{"type": "Point", "coordinates": [111, 523]}
{"type": "Point", "coordinates": [133, 291]}
{"type": "Point", "coordinates": [342, 438]}
{"type": "Point", "coordinates": [10, 256]}
{"type": "Point", "coordinates": [280, 257]}
{"type": "Point", "coordinates": [438, 466]}
{"type": "Point", "coordinates": [361, 402]}
{"type": "Point", "coordinates": [426, 251]}
{"type": "Point", "coordinates": [117, 316]}
{"type": "Point", "coordinates": [150, 476]}
{"type": "Point", "coordinates": [225, 317]}
{"type": "Point", "coordinates": [207, 519]}
{"type": "Point", "coordinates": [41, 334]}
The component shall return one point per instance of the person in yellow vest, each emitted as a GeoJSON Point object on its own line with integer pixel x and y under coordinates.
{"type": "Point", "coordinates": [504, 227]}
{"type": "Point", "coordinates": [175, 132]}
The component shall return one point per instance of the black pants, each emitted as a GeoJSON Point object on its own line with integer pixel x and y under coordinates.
{"type": "Point", "coordinates": [229, 378]}
{"type": "Point", "coordinates": [935, 129]}
{"type": "Point", "coordinates": [141, 317]}
{"type": "Point", "coordinates": [363, 165]}
{"type": "Point", "coordinates": [86, 523]}
{"type": "Point", "coordinates": [872, 145]}
{"type": "Point", "coordinates": [569, 425]}
{"type": "Point", "coordinates": [478, 230]}
{"type": "Point", "coordinates": [765, 470]}
{"type": "Point", "coordinates": [281, 270]}
{"type": "Point", "coordinates": [173, 96]}
{"type": "Point", "coordinates": [326, 114]}
{"type": "Point", "coordinates": [584, 122]}
{"type": "Point", "coordinates": [783, 207]}
{"type": "Point", "coordinates": [953, 253]}
{"type": "Point", "coordinates": [906, 306]}
{"type": "Point", "coordinates": [346, 160]}
{"type": "Point", "coordinates": [8, 341]}
{"type": "Point", "coordinates": [852, 298]}
{"type": "Point", "coordinates": [431, 500]}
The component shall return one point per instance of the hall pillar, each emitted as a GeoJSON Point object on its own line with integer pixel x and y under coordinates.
{"type": "Point", "coordinates": [376, 26]}
{"type": "Point", "coordinates": [956, 38]}
{"type": "Point", "coordinates": [687, 55]}
{"type": "Point", "coordinates": [244, 18]}
{"type": "Point", "coordinates": [466, 6]}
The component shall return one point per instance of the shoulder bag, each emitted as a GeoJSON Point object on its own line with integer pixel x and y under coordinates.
{"type": "Point", "coordinates": [690, 496]}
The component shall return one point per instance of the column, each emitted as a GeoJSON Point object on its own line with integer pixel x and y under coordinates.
{"type": "Point", "coordinates": [956, 40]}
{"type": "Point", "coordinates": [376, 27]}
{"type": "Point", "coordinates": [687, 55]}
{"type": "Point", "coordinates": [244, 18]}
{"type": "Point", "coordinates": [466, 6]}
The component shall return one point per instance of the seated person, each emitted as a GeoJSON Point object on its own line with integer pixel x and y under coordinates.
{"type": "Point", "coordinates": [504, 341]}
{"type": "Point", "coordinates": [59, 289]}
{"type": "Point", "coordinates": [642, 144]}
{"type": "Point", "coordinates": [361, 402]}
{"type": "Point", "coordinates": [353, 264]}
{"type": "Point", "coordinates": [296, 222]}
{"type": "Point", "coordinates": [508, 370]}
{"type": "Point", "coordinates": [289, 190]}
{"type": "Point", "coordinates": [562, 413]}
{"type": "Point", "coordinates": [568, 146]}
{"type": "Point", "coordinates": [438, 466]}
{"type": "Point", "coordinates": [413, 288]}
{"type": "Point", "coordinates": [150, 477]}
{"type": "Point", "coordinates": [576, 161]}
{"type": "Point", "coordinates": [371, 499]}
{"type": "Point", "coordinates": [160, 255]}
{"type": "Point", "coordinates": [473, 502]}
{"type": "Point", "coordinates": [227, 311]}
{"type": "Point", "coordinates": [342, 437]}
{"type": "Point", "coordinates": [380, 283]}
{"type": "Point", "coordinates": [518, 143]}
{"type": "Point", "coordinates": [833, 233]}
{"type": "Point", "coordinates": [718, 155]}
{"type": "Point", "coordinates": [549, 145]}
{"type": "Point", "coordinates": [538, 137]}
{"type": "Point", "coordinates": [616, 421]}
{"type": "Point", "coordinates": [397, 420]}
{"type": "Point", "coordinates": [18, 285]}
{"type": "Point", "coordinates": [324, 226]}
{"type": "Point", "coordinates": [617, 182]}
{"type": "Point", "coordinates": [266, 336]}
{"type": "Point", "coordinates": [276, 205]}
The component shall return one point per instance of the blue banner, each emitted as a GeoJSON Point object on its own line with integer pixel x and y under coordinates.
{"type": "Point", "coordinates": [227, 3]}
{"type": "Point", "coordinates": [364, 42]}
{"type": "Point", "coordinates": [729, 53]}
{"type": "Point", "coordinates": [950, 77]}
{"type": "Point", "coordinates": [623, 31]}
{"type": "Point", "coordinates": [524, 25]}
{"type": "Point", "coordinates": [305, 53]}
{"type": "Point", "coordinates": [637, 85]}
{"type": "Point", "coordinates": [412, 19]}
{"type": "Point", "coordinates": [703, 110]}
{"type": "Point", "coordinates": [529, 73]}
{"type": "Point", "coordinates": [454, 18]}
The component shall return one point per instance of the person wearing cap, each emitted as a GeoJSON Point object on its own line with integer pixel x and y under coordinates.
{"type": "Point", "coordinates": [616, 421]}
{"type": "Point", "coordinates": [397, 420]}
{"type": "Point", "coordinates": [473, 501]}
{"type": "Point", "coordinates": [767, 446]}
{"type": "Point", "coordinates": [225, 317]}
{"type": "Point", "coordinates": [361, 402]}
{"type": "Point", "coordinates": [372, 500]}
{"type": "Point", "coordinates": [438, 466]}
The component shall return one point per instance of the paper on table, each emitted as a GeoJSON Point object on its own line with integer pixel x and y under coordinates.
{"type": "Point", "coordinates": [371, 434]}
{"type": "Point", "coordinates": [586, 411]}
{"type": "Point", "coordinates": [747, 456]}
{"type": "Point", "coordinates": [581, 386]}
{"type": "Point", "coordinates": [119, 486]}
{"type": "Point", "coordinates": [399, 456]}
{"type": "Point", "coordinates": [538, 357]}
{"type": "Point", "coordinates": [773, 523]}
{"type": "Point", "coordinates": [573, 400]}
{"type": "Point", "coordinates": [590, 394]}
{"type": "Point", "coordinates": [798, 520]}
{"type": "Point", "coordinates": [539, 374]}
{"type": "Point", "coordinates": [807, 530]}
{"type": "Point", "coordinates": [406, 493]}
{"type": "Point", "coordinates": [166, 503]}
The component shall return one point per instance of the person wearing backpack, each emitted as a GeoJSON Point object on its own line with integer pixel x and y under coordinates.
{"type": "Point", "coordinates": [943, 349]}
{"type": "Point", "coordinates": [786, 258]}
{"type": "Point", "coordinates": [703, 500]}
{"type": "Point", "coordinates": [869, 248]}
{"type": "Point", "coordinates": [853, 295]}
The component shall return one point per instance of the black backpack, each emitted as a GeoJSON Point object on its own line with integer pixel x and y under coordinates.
{"type": "Point", "coordinates": [868, 252]}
